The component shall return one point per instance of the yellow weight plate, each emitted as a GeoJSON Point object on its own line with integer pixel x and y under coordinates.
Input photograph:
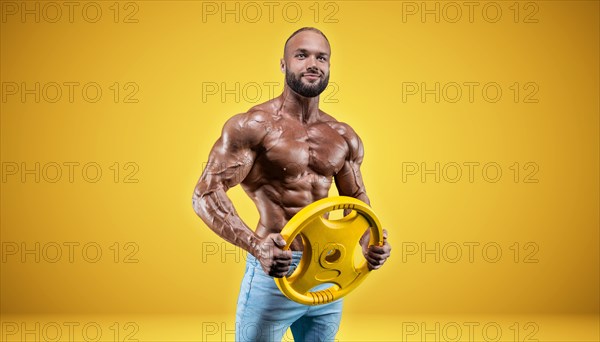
{"type": "Point", "coordinates": [329, 246]}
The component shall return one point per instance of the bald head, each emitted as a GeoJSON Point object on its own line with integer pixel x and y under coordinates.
{"type": "Point", "coordinates": [307, 30]}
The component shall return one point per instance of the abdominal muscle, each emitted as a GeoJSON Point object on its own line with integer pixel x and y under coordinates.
{"type": "Point", "coordinates": [278, 202]}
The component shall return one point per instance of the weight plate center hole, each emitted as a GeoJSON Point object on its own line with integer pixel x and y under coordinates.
{"type": "Point", "coordinates": [333, 255]}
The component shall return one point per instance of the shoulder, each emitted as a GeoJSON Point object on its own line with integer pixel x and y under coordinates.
{"type": "Point", "coordinates": [247, 128]}
{"type": "Point", "coordinates": [354, 142]}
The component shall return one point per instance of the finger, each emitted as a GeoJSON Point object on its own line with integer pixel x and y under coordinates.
{"type": "Point", "coordinates": [377, 249]}
{"type": "Point", "coordinates": [279, 241]}
{"type": "Point", "coordinates": [281, 270]}
{"type": "Point", "coordinates": [282, 255]}
{"type": "Point", "coordinates": [277, 274]}
{"type": "Point", "coordinates": [374, 266]}
{"type": "Point", "coordinates": [281, 263]}
{"type": "Point", "coordinates": [385, 234]}
{"type": "Point", "coordinates": [371, 260]}
{"type": "Point", "coordinates": [379, 258]}
{"type": "Point", "coordinates": [386, 246]}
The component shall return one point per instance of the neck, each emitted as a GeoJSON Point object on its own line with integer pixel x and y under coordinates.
{"type": "Point", "coordinates": [305, 109]}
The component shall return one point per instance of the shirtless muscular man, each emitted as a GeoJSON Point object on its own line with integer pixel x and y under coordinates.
{"type": "Point", "coordinates": [285, 153]}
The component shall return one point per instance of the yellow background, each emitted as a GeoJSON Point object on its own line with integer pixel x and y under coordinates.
{"type": "Point", "coordinates": [176, 51]}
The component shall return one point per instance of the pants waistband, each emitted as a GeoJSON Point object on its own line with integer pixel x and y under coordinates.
{"type": "Point", "coordinates": [296, 256]}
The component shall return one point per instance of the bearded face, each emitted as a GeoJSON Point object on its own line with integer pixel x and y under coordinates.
{"type": "Point", "coordinates": [308, 84]}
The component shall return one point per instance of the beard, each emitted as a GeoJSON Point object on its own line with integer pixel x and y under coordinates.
{"type": "Point", "coordinates": [306, 90]}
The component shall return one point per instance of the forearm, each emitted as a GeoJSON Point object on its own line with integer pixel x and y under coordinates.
{"type": "Point", "coordinates": [363, 197]}
{"type": "Point", "coordinates": [216, 210]}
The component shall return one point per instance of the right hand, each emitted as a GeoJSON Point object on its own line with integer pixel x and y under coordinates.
{"type": "Point", "coordinates": [273, 259]}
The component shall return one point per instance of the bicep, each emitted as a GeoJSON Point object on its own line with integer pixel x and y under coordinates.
{"type": "Point", "coordinates": [231, 158]}
{"type": "Point", "coordinates": [349, 180]}
{"type": "Point", "coordinates": [227, 166]}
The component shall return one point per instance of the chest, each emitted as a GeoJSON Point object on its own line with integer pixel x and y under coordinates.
{"type": "Point", "coordinates": [294, 149]}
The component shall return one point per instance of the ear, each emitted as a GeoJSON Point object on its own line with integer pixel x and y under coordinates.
{"type": "Point", "coordinates": [282, 65]}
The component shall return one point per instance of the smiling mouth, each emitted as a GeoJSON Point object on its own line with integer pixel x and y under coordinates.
{"type": "Point", "coordinates": [311, 76]}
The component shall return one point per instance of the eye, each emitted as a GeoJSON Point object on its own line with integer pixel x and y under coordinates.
{"type": "Point", "coordinates": [300, 55]}
{"type": "Point", "coordinates": [323, 58]}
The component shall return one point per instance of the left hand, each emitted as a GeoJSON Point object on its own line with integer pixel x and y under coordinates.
{"type": "Point", "coordinates": [375, 255]}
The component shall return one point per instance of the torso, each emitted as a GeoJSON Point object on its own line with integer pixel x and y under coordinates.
{"type": "Point", "coordinates": [294, 166]}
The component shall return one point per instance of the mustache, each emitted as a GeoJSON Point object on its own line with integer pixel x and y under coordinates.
{"type": "Point", "coordinates": [313, 71]}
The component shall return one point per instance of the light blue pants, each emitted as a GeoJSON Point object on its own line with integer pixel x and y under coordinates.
{"type": "Point", "coordinates": [265, 314]}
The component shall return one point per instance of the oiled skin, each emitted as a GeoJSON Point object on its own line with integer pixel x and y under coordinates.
{"type": "Point", "coordinates": [285, 165]}
{"type": "Point", "coordinates": [285, 153]}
